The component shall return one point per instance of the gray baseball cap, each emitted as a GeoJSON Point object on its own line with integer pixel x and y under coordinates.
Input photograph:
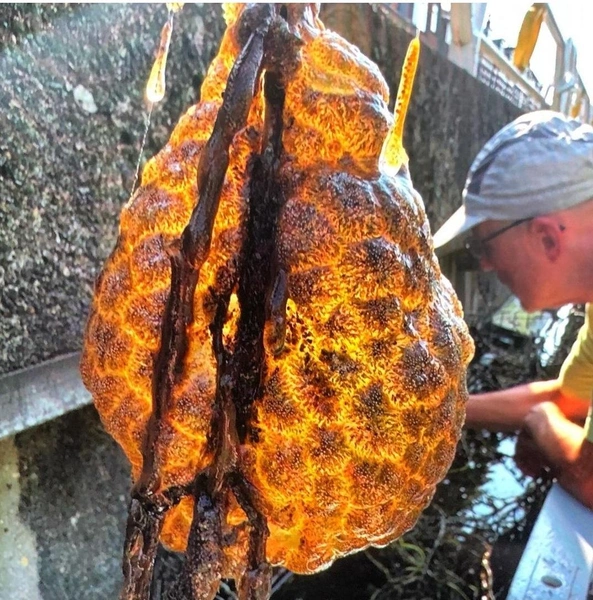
{"type": "Point", "coordinates": [540, 163]}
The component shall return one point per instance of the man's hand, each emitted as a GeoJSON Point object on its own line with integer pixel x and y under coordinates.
{"type": "Point", "coordinates": [549, 439]}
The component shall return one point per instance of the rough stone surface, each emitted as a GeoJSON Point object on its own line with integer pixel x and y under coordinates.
{"type": "Point", "coordinates": [63, 495]}
{"type": "Point", "coordinates": [64, 491]}
{"type": "Point", "coordinates": [18, 567]}
{"type": "Point", "coordinates": [65, 171]}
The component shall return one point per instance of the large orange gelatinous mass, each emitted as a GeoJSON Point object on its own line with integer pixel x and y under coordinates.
{"type": "Point", "coordinates": [361, 411]}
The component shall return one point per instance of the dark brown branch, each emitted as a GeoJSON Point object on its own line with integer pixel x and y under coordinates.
{"type": "Point", "coordinates": [258, 258]}
{"type": "Point", "coordinates": [195, 241]}
{"type": "Point", "coordinates": [148, 506]}
{"type": "Point", "coordinates": [142, 534]}
{"type": "Point", "coordinates": [202, 571]}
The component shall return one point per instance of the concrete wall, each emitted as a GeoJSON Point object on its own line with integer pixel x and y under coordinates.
{"type": "Point", "coordinates": [67, 162]}
{"type": "Point", "coordinates": [63, 498]}
{"type": "Point", "coordinates": [68, 165]}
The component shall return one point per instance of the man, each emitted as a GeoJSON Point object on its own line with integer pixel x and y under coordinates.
{"type": "Point", "coordinates": [528, 214]}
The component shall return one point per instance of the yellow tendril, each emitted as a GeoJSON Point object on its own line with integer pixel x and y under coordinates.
{"type": "Point", "coordinates": [175, 6]}
{"type": "Point", "coordinates": [156, 86]}
{"type": "Point", "coordinates": [393, 154]}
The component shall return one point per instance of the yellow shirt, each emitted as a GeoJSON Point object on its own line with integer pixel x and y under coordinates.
{"type": "Point", "coordinates": [576, 375]}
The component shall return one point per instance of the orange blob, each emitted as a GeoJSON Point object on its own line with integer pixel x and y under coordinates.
{"type": "Point", "coordinates": [362, 400]}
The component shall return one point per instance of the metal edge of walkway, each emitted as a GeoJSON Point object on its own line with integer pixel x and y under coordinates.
{"type": "Point", "coordinates": [40, 393]}
{"type": "Point", "coordinates": [557, 562]}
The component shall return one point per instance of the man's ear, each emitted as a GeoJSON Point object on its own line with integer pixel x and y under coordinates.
{"type": "Point", "coordinates": [547, 234]}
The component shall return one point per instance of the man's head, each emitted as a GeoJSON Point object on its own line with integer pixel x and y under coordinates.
{"type": "Point", "coordinates": [528, 210]}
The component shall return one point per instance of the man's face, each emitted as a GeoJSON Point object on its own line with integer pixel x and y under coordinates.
{"type": "Point", "coordinates": [510, 256]}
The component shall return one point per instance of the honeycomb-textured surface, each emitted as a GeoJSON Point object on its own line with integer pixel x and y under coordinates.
{"type": "Point", "coordinates": [361, 411]}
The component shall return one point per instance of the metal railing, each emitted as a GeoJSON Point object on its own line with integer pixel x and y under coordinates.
{"type": "Point", "coordinates": [498, 73]}
{"type": "Point", "coordinates": [489, 74]}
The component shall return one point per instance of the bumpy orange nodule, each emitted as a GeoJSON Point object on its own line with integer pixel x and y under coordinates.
{"type": "Point", "coordinates": [361, 411]}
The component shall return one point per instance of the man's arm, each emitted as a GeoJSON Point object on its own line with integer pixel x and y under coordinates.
{"type": "Point", "coordinates": [571, 392]}
{"type": "Point", "coordinates": [505, 410]}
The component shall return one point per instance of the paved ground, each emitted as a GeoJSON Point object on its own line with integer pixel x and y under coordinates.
{"type": "Point", "coordinates": [63, 497]}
